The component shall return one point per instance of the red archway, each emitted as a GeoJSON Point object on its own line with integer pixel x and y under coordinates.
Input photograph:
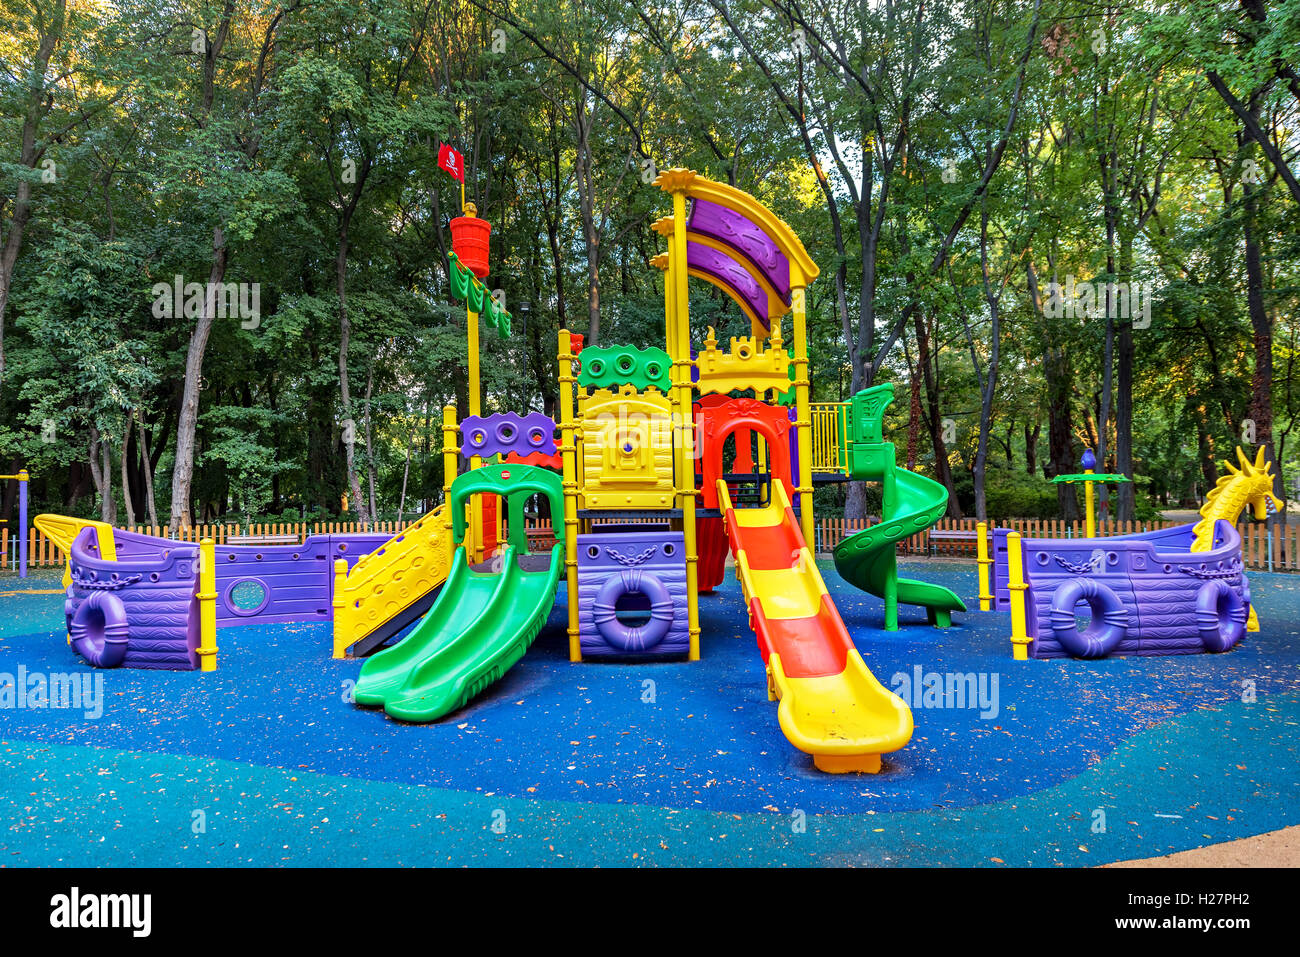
{"type": "Point", "coordinates": [717, 420]}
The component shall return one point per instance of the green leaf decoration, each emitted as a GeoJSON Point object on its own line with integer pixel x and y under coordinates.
{"type": "Point", "coordinates": [475, 296]}
{"type": "Point", "coordinates": [461, 278]}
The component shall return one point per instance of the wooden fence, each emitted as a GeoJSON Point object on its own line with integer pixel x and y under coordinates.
{"type": "Point", "coordinates": [1255, 540]}
{"type": "Point", "coordinates": [828, 532]}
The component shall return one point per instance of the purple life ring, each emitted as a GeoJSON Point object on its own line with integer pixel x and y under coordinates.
{"type": "Point", "coordinates": [626, 637]}
{"type": "Point", "coordinates": [1109, 618]}
{"type": "Point", "coordinates": [1220, 615]}
{"type": "Point", "coordinates": [99, 630]}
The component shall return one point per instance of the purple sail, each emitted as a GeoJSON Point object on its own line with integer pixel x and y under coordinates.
{"type": "Point", "coordinates": [1146, 594]}
{"type": "Point", "coordinates": [731, 276]}
{"type": "Point", "coordinates": [748, 238]}
{"type": "Point", "coordinates": [632, 594]}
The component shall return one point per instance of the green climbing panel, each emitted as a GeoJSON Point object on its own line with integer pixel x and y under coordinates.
{"type": "Point", "coordinates": [614, 366]}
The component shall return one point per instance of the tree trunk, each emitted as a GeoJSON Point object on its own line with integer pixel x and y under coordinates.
{"type": "Point", "coordinates": [587, 209]}
{"type": "Point", "coordinates": [38, 104]}
{"type": "Point", "coordinates": [1261, 325]}
{"type": "Point", "coordinates": [345, 338]}
{"type": "Point", "coordinates": [126, 478]}
{"type": "Point", "coordinates": [370, 456]}
{"type": "Point", "coordinates": [147, 468]}
{"type": "Point", "coordinates": [187, 421]}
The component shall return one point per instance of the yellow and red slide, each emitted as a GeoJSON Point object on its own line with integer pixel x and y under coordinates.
{"type": "Point", "coordinates": [831, 705]}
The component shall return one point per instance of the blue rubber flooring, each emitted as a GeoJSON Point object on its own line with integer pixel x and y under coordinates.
{"type": "Point", "coordinates": [672, 762]}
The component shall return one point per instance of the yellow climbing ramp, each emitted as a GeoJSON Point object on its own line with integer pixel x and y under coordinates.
{"type": "Point", "coordinates": [392, 586]}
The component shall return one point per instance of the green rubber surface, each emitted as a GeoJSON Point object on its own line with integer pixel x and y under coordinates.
{"type": "Point", "coordinates": [480, 625]}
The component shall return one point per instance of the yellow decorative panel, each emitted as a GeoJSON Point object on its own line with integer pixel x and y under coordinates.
{"type": "Point", "coordinates": [747, 366]}
{"type": "Point", "coordinates": [627, 449]}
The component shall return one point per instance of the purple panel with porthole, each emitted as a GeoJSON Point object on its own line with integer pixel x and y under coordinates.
{"type": "Point", "coordinates": [632, 594]}
{"type": "Point", "coordinates": [278, 584]}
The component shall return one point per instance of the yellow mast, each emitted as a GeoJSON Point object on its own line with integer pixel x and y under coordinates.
{"type": "Point", "coordinates": [568, 457]}
{"type": "Point", "coordinates": [683, 415]}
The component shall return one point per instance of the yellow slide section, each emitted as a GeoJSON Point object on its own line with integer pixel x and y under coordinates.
{"type": "Point", "coordinates": [831, 705]}
{"type": "Point", "coordinates": [392, 586]}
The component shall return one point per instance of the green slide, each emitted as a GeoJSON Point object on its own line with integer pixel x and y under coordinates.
{"type": "Point", "coordinates": [481, 623]}
{"type": "Point", "coordinates": [912, 503]}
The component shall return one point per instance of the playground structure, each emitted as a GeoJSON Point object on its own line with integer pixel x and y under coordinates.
{"type": "Point", "coordinates": [650, 497]}
{"type": "Point", "coordinates": [666, 458]}
{"type": "Point", "coordinates": [1175, 591]}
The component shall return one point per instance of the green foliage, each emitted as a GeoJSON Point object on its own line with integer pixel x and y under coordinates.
{"type": "Point", "coordinates": [313, 141]}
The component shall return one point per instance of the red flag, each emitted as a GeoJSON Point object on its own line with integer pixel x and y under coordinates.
{"type": "Point", "coordinates": [451, 160]}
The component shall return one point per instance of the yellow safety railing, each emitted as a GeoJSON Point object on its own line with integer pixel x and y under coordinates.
{"type": "Point", "coordinates": [828, 423]}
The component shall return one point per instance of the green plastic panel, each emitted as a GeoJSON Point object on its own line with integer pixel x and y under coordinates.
{"type": "Point", "coordinates": [613, 366]}
{"type": "Point", "coordinates": [516, 484]}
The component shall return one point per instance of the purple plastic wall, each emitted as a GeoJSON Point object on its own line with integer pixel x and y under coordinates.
{"type": "Point", "coordinates": [655, 560]}
{"type": "Point", "coordinates": [295, 582]}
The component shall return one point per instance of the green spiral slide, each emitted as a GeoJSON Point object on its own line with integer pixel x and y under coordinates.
{"type": "Point", "coordinates": [912, 503]}
{"type": "Point", "coordinates": [482, 621]}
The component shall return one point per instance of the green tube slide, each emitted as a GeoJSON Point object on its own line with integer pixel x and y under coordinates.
{"type": "Point", "coordinates": [911, 504]}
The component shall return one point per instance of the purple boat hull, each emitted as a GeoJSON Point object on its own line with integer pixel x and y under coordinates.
{"type": "Point", "coordinates": [1147, 594]}
{"type": "Point", "coordinates": [153, 583]}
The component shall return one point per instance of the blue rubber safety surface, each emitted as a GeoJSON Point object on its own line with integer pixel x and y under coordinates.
{"type": "Point", "coordinates": [671, 762]}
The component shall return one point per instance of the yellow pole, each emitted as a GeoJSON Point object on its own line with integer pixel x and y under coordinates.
{"type": "Point", "coordinates": [339, 600]}
{"type": "Point", "coordinates": [1090, 520]}
{"type": "Point", "coordinates": [681, 362]}
{"type": "Point", "coordinates": [449, 462]}
{"type": "Point", "coordinates": [1016, 577]}
{"type": "Point", "coordinates": [475, 408]}
{"type": "Point", "coordinates": [982, 556]}
{"type": "Point", "coordinates": [207, 597]}
{"type": "Point", "coordinates": [568, 457]}
{"type": "Point", "coordinates": [803, 416]}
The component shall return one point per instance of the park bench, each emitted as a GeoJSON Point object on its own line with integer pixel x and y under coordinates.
{"type": "Point", "coordinates": [950, 541]}
{"type": "Point", "coordinates": [286, 539]}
